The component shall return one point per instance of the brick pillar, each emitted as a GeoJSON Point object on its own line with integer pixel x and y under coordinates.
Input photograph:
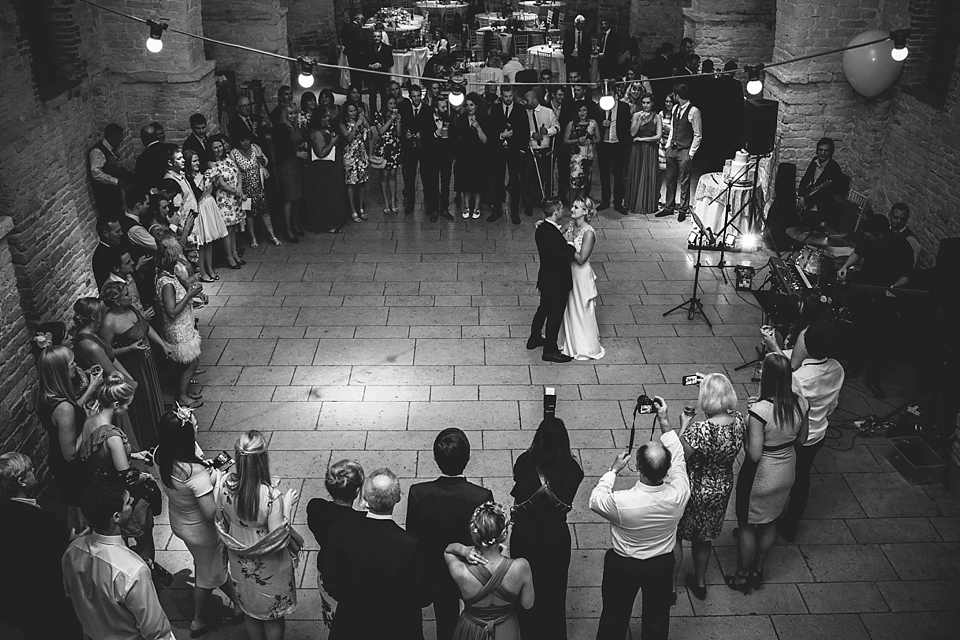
{"type": "Point", "coordinates": [313, 26]}
{"type": "Point", "coordinates": [261, 24]}
{"type": "Point", "coordinates": [726, 29]}
{"type": "Point", "coordinates": [656, 21]}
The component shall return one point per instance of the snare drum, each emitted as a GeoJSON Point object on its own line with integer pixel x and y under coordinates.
{"type": "Point", "coordinates": [812, 261]}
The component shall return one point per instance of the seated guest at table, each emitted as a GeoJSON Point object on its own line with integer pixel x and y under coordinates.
{"type": "Point", "coordinates": [510, 132]}
{"type": "Point", "coordinates": [107, 172]}
{"type": "Point", "coordinates": [473, 160]}
{"type": "Point", "coordinates": [899, 214]}
{"type": "Point", "coordinates": [820, 185]}
{"type": "Point", "coordinates": [492, 71]}
{"type": "Point", "coordinates": [510, 66]}
{"type": "Point", "coordinates": [543, 129]}
{"type": "Point", "coordinates": [577, 48]}
{"type": "Point", "coordinates": [379, 59]}
{"type": "Point", "coordinates": [438, 151]}
{"type": "Point", "coordinates": [609, 57]}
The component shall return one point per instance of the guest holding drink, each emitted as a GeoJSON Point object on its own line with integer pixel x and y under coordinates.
{"type": "Point", "coordinates": [355, 132]}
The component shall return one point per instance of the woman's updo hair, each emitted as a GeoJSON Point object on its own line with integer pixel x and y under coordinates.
{"type": "Point", "coordinates": [589, 205]}
{"type": "Point", "coordinates": [488, 527]}
{"type": "Point", "coordinates": [115, 390]}
{"type": "Point", "coordinates": [111, 294]}
{"type": "Point", "coordinates": [344, 480]}
{"type": "Point", "coordinates": [87, 311]}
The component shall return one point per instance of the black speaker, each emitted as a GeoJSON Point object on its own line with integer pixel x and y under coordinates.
{"type": "Point", "coordinates": [759, 125]}
{"type": "Point", "coordinates": [947, 267]}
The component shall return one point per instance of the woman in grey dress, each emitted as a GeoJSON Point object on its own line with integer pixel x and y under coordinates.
{"type": "Point", "coordinates": [777, 421]}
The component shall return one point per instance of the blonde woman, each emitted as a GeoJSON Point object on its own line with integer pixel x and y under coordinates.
{"type": "Point", "coordinates": [710, 447]}
{"type": "Point", "coordinates": [580, 336]}
{"type": "Point", "coordinates": [254, 524]}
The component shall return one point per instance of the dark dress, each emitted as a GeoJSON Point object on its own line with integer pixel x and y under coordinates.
{"type": "Point", "coordinates": [324, 193]}
{"type": "Point", "coordinates": [286, 143]}
{"type": "Point", "coordinates": [321, 515]}
{"type": "Point", "coordinates": [643, 171]}
{"type": "Point", "coordinates": [710, 467]}
{"type": "Point", "coordinates": [123, 420]}
{"type": "Point", "coordinates": [72, 478]}
{"type": "Point", "coordinates": [472, 166]}
{"type": "Point", "coordinates": [541, 535]}
{"type": "Point", "coordinates": [492, 621]}
{"type": "Point", "coordinates": [147, 402]}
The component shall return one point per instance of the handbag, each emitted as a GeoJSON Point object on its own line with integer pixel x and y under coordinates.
{"type": "Point", "coordinates": [378, 162]}
{"type": "Point", "coordinates": [148, 490]}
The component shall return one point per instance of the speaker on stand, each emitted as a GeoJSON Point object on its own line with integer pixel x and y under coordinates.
{"type": "Point", "coordinates": [759, 125]}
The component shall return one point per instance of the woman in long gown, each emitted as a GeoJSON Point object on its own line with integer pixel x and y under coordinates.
{"type": "Point", "coordinates": [643, 169]}
{"type": "Point", "coordinates": [130, 335]}
{"type": "Point", "coordinates": [253, 522]}
{"type": "Point", "coordinates": [489, 583]}
{"type": "Point", "coordinates": [581, 134]}
{"type": "Point", "coordinates": [324, 193]}
{"type": "Point", "coordinates": [580, 336]}
{"type": "Point", "coordinates": [472, 171]}
{"type": "Point", "coordinates": [546, 478]}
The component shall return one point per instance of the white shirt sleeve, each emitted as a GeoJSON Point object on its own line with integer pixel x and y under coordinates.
{"type": "Point", "coordinates": [142, 601]}
{"type": "Point", "coordinates": [697, 124]}
{"type": "Point", "coordinates": [97, 161]}
{"type": "Point", "coordinates": [602, 499]}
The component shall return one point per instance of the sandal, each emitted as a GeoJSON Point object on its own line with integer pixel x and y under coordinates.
{"type": "Point", "coordinates": [363, 215]}
{"type": "Point", "coordinates": [738, 582]}
{"type": "Point", "coordinates": [276, 242]}
{"type": "Point", "coordinates": [476, 214]}
{"type": "Point", "coordinates": [254, 245]}
{"type": "Point", "coordinates": [699, 592]}
{"type": "Point", "coordinates": [465, 214]}
{"type": "Point", "coordinates": [356, 218]}
{"type": "Point", "coordinates": [205, 279]}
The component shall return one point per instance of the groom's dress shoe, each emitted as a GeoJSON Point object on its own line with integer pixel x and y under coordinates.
{"type": "Point", "coordinates": [555, 357]}
{"type": "Point", "coordinates": [534, 342]}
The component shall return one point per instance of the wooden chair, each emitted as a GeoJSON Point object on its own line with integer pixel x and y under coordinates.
{"type": "Point", "coordinates": [525, 59]}
{"type": "Point", "coordinates": [859, 200]}
{"type": "Point", "coordinates": [521, 42]}
{"type": "Point", "coordinates": [535, 38]}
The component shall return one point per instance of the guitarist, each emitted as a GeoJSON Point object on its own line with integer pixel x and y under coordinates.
{"type": "Point", "coordinates": [819, 187]}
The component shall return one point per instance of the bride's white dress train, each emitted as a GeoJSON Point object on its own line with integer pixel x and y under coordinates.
{"type": "Point", "coordinates": [579, 335]}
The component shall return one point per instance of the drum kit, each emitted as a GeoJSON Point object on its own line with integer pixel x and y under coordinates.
{"type": "Point", "coordinates": [822, 249]}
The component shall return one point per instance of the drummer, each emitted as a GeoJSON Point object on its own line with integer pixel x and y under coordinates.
{"type": "Point", "coordinates": [887, 258]}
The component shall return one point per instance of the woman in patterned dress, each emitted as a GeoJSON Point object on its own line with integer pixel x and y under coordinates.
{"type": "Point", "coordinates": [666, 122]}
{"type": "Point", "coordinates": [208, 226]}
{"type": "Point", "coordinates": [580, 134]}
{"type": "Point", "coordinates": [387, 146]}
{"type": "Point", "coordinates": [229, 197]}
{"type": "Point", "coordinates": [253, 522]}
{"type": "Point", "coordinates": [710, 447]}
{"type": "Point", "coordinates": [176, 311]}
{"type": "Point", "coordinates": [250, 159]}
{"type": "Point", "coordinates": [355, 131]}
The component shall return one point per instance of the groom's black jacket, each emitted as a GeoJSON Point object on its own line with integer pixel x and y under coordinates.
{"type": "Point", "coordinates": [555, 255]}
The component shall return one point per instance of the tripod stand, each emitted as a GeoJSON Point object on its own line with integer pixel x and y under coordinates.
{"type": "Point", "coordinates": [729, 220]}
{"type": "Point", "coordinates": [693, 305]}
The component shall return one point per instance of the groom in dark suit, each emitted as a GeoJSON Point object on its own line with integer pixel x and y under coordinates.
{"type": "Point", "coordinates": [439, 512]}
{"type": "Point", "coordinates": [554, 282]}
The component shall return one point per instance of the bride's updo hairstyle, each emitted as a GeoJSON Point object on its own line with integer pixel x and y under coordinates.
{"type": "Point", "coordinates": [589, 205]}
{"type": "Point", "coordinates": [488, 526]}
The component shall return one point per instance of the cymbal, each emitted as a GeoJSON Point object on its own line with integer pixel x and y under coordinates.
{"type": "Point", "coordinates": [816, 238]}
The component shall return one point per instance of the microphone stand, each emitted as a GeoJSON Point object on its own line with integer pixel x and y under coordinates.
{"type": "Point", "coordinates": [693, 304]}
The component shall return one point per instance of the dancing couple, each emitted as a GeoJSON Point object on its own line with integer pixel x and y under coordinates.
{"type": "Point", "coordinates": [567, 284]}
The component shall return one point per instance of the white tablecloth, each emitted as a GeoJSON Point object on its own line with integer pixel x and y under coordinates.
{"type": "Point", "coordinates": [545, 56]}
{"type": "Point", "coordinates": [493, 19]}
{"type": "Point", "coordinates": [442, 8]}
{"type": "Point", "coordinates": [506, 39]}
{"type": "Point", "coordinates": [711, 200]}
{"type": "Point", "coordinates": [411, 62]}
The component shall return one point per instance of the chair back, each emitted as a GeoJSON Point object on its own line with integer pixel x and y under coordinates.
{"type": "Point", "coordinates": [535, 38]}
{"type": "Point", "coordinates": [521, 42]}
{"type": "Point", "coordinates": [859, 200]}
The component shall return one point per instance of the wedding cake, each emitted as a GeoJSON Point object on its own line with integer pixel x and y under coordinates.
{"type": "Point", "coordinates": [739, 172]}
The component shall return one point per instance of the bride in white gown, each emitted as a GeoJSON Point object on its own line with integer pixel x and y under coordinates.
{"type": "Point", "coordinates": [579, 335]}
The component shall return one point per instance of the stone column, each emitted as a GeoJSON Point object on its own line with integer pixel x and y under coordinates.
{"type": "Point", "coordinates": [313, 26]}
{"type": "Point", "coordinates": [656, 21]}
{"type": "Point", "coordinates": [731, 29]}
{"type": "Point", "coordinates": [261, 24]}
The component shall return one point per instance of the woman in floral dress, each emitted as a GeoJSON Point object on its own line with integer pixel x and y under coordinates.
{"type": "Point", "coordinates": [389, 133]}
{"type": "Point", "coordinates": [580, 134]}
{"type": "Point", "coordinates": [710, 447]}
{"type": "Point", "coordinates": [250, 159]}
{"type": "Point", "coordinates": [253, 522]}
{"type": "Point", "coordinates": [355, 131]}
{"type": "Point", "coordinates": [229, 197]}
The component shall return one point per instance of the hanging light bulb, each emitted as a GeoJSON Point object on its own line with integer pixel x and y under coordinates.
{"type": "Point", "coordinates": [754, 84]}
{"type": "Point", "coordinates": [306, 73]}
{"type": "Point", "coordinates": [154, 42]}
{"type": "Point", "coordinates": [607, 101]}
{"type": "Point", "coordinates": [456, 89]}
{"type": "Point", "coordinates": [899, 51]}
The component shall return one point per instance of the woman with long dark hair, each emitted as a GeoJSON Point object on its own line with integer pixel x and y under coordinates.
{"type": "Point", "coordinates": [188, 483]}
{"type": "Point", "coordinates": [776, 423]}
{"type": "Point", "coordinates": [324, 194]}
{"type": "Point", "coordinates": [253, 522]}
{"type": "Point", "coordinates": [546, 478]}
{"type": "Point", "coordinates": [470, 138]}
{"type": "Point", "coordinates": [209, 226]}
{"type": "Point", "coordinates": [355, 133]}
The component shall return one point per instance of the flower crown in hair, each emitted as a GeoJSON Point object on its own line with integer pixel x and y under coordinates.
{"type": "Point", "coordinates": [44, 340]}
{"type": "Point", "coordinates": [184, 414]}
{"type": "Point", "coordinates": [825, 300]}
{"type": "Point", "coordinates": [496, 509]}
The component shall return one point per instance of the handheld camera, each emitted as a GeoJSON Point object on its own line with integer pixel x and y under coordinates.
{"type": "Point", "coordinates": [549, 402]}
{"type": "Point", "coordinates": [645, 405]}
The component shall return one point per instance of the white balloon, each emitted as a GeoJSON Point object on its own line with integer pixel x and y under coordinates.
{"type": "Point", "coordinates": [871, 69]}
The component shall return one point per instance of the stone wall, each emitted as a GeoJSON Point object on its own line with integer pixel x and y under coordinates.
{"type": "Point", "coordinates": [313, 25]}
{"type": "Point", "coordinates": [656, 21]}
{"type": "Point", "coordinates": [725, 30]}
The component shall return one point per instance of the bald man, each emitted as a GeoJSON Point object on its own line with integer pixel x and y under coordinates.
{"type": "Point", "coordinates": [643, 523]}
{"type": "Point", "coordinates": [374, 552]}
{"type": "Point", "coordinates": [246, 119]}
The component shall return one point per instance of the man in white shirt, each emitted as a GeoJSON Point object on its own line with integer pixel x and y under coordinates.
{"type": "Point", "coordinates": [109, 175]}
{"type": "Point", "coordinates": [819, 378]}
{"type": "Point", "coordinates": [682, 145]}
{"type": "Point", "coordinates": [643, 525]}
{"type": "Point", "coordinates": [110, 585]}
{"type": "Point", "coordinates": [543, 128]}
{"type": "Point", "coordinates": [510, 67]}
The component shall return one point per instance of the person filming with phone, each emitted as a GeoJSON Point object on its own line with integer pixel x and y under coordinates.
{"type": "Point", "coordinates": [643, 523]}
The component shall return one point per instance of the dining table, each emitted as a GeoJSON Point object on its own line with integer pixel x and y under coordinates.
{"type": "Point", "coordinates": [495, 19]}
{"type": "Point", "coordinates": [550, 56]}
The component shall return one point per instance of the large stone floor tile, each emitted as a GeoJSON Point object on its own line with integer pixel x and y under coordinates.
{"type": "Point", "coordinates": [343, 416]}
{"type": "Point", "coordinates": [322, 375]}
{"type": "Point", "coordinates": [819, 627]}
{"type": "Point", "coordinates": [267, 416]}
{"type": "Point", "coordinates": [299, 464]}
{"type": "Point", "coordinates": [402, 463]}
{"type": "Point", "coordinates": [459, 352]}
{"type": "Point", "coordinates": [924, 561]}
{"type": "Point", "coordinates": [842, 597]}
{"type": "Point", "coordinates": [582, 414]}
{"type": "Point", "coordinates": [724, 627]}
{"type": "Point", "coordinates": [882, 530]}
{"type": "Point", "coordinates": [257, 316]}
{"type": "Point", "coordinates": [333, 351]}
{"type": "Point", "coordinates": [319, 440]}
{"type": "Point", "coordinates": [784, 564]}
{"type": "Point", "coordinates": [847, 563]}
{"type": "Point", "coordinates": [433, 316]}
{"type": "Point", "coordinates": [889, 495]}
{"type": "Point", "coordinates": [831, 497]}
{"type": "Point", "coordinates": [239, 351]}
{"type": "Point", "coordinates": [340, 317]}
{"type": "Point", "coordinates": [481, 415]}
{"type": "Point", "coordinates": [692, 350]}
{"type": "Point", "coordinates": [896, 626]}
{"type": "Point", "coordinates": [923, 595]}
{"type": "Point", "coordinates": [771, 598]}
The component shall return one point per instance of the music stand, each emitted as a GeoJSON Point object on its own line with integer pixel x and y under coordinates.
{"type": "Point", "coordinates": [693, 304]}
{"type": "Point", "coordinates": [728, 219]}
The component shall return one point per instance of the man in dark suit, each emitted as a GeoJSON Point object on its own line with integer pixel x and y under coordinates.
{"type": "Point", "coordinates": [373, 554]}
{"type": "Point", "coordinates": [509, 137]}
{"type": "Point", "coordinates": [660, 67]}
{"type": "Point", "coordinates": [439, 512]}
{"type": "Point", "coordinates": [612, 152]}
{"type": "Point", "coordinates": [197, 140]}
{"type": "Point", "coordinates": [678, 61]}
{"type": "Point", "coordinates": [151, 164]}
{"type": "Point", "coordinates": [577, 48]}
{"type": "Point", "coordinates": [351, 39]}
{"type": "Point", "coordinates": [379, 58]}
{"type": "Point", "coordinates": [111, 235]}
{"type": "Point", "coordinates": [246, 120]}
{"type": "Point", "coordinates": [108, 175]}
{"type": "Point", "coordinates": [819, 186]}
{"type": "Point", "coordinates": [416, 118]}
{"type": "Point", "coordinates": [35, 540]}
{"type": "Point", "coordinates": [609, 60]}
{"type": "Point", "coordinates": [554, 281]}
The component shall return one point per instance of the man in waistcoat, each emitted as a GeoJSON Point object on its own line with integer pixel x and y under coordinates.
{"type": "Point", "coordinates": [108, 174]}
{"type": "Point", "coordinates": [682, 146]}
{"type": "Point", "coordinates": [899, 215]}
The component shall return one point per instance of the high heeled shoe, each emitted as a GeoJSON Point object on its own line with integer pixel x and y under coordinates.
{"type": "Point", "coordinates": [738, 582]}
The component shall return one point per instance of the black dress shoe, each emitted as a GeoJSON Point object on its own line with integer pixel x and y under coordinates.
{"type": "Point", "coordinates": [534, 342]}
{"type": "Point", "coordinates": [496, 215]}
{"type": "Point", "coordinates": [515, 218]}
{"type": "Point", "coordinates": [555, 357]}
{"type": "Point", "coordinates": [663, 213]}
{"type": "Point", "coordinates": [234, 266]}
{"type": "Point", "coordinates": [621, 209]}
{"type": "Point", "coordinates": [446, 215]}
{"type": "Point", "coordinates": [528, 212]}
{"type": "Point", "coordinates": [603, 205]}
{"type": "Point", "coordinates": [700, 593]}
{"type": "Point", "coordinates": [682, 216]}
{"type": "Point", "coordinates": [293, 239]}
{"type": "Point", "coordinates": [434, 217]}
